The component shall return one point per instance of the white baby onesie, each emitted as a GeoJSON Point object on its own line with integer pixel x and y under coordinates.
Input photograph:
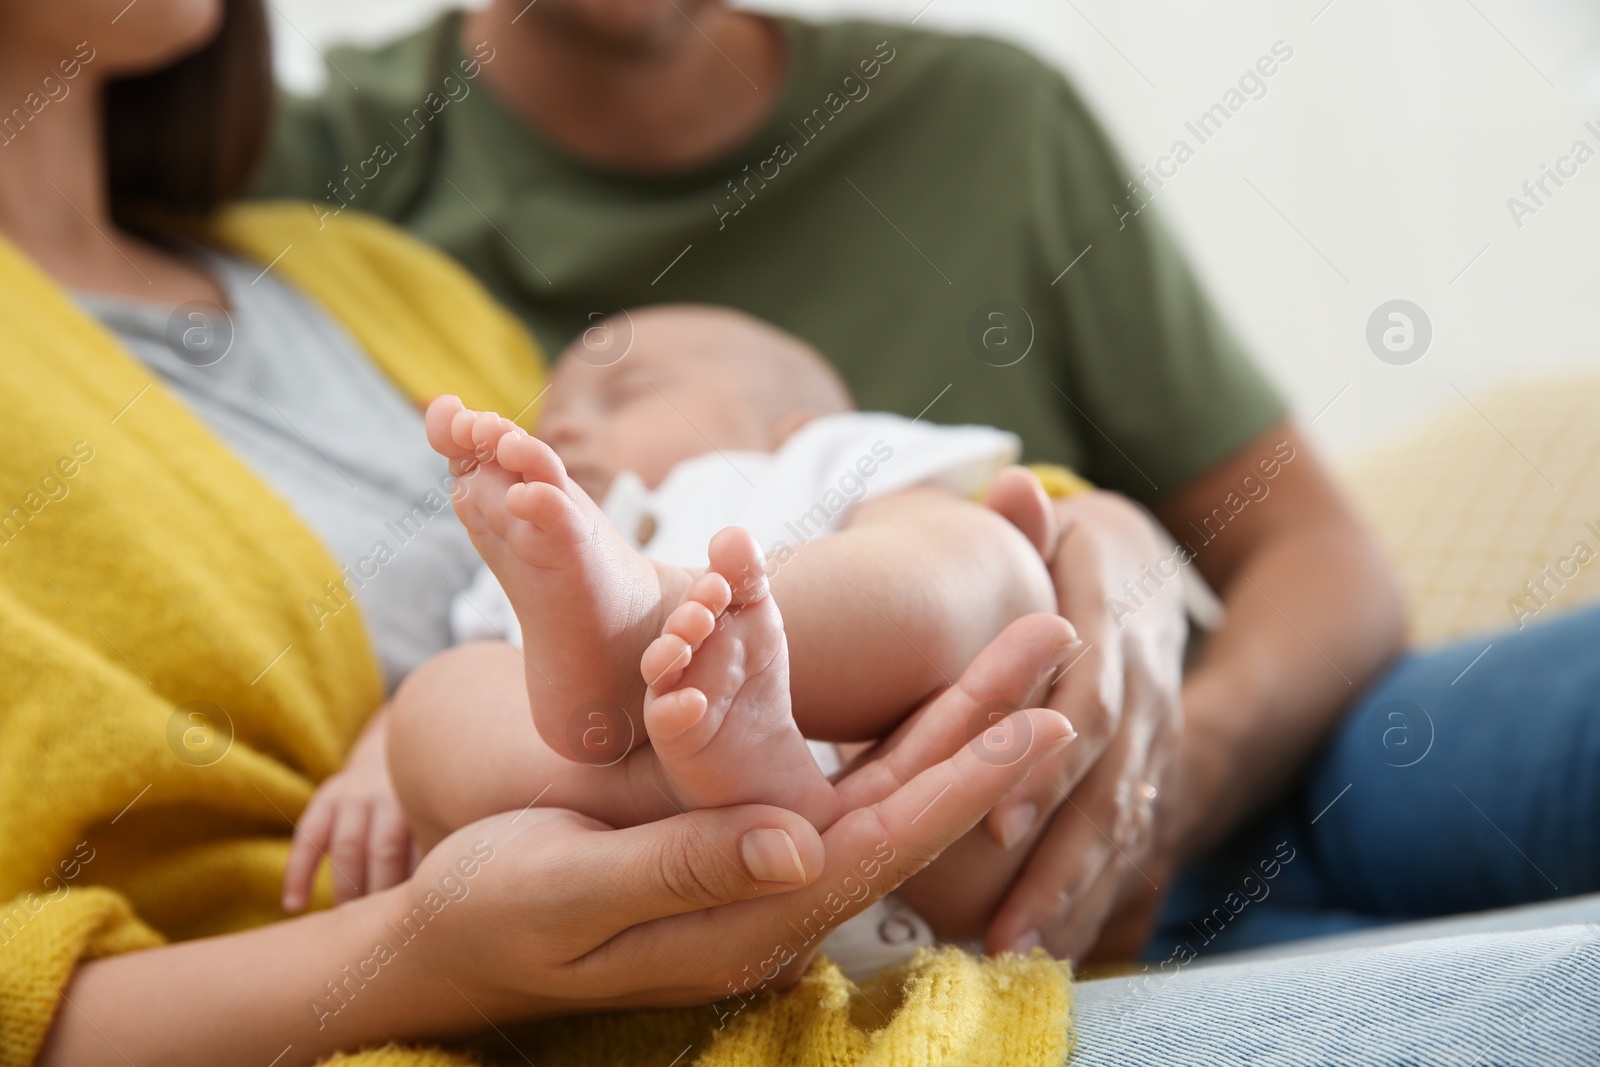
{"type": "Point", "coordinates": [805, 489]}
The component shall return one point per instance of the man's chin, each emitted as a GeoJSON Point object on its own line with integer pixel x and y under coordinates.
{"type": "Point", "coordinates": [620, 27]}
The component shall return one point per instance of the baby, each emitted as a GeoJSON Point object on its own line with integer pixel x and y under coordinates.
{"type": "Point", "coordinates": [658, 669]}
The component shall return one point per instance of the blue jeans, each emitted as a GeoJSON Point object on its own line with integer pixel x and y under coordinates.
{"type": "Point", "coordinates": [1463, 780]}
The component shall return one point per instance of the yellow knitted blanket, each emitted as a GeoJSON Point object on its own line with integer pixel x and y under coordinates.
{"type": "Point", "coordinates": [168, 702]}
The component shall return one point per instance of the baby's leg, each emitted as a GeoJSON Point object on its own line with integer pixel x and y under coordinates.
{"type": "Point", "coordinates": [1018, 496]}
{"type": "Point", "coordinates": [462, 747]}
{"type": "Point", "coordinates": [894, 607]}
{"type": "Point", "coordinates": [587, 602]}
{"type": "Point", "coordinates": [998, 573]}
{"type": "Point", "coordinates": [718, 707]}
{"type": "Point", "coordinates": [879, 616]}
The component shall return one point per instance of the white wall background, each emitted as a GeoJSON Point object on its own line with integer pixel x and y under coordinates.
{"type": "Point", "coordinates": [1377, 166]}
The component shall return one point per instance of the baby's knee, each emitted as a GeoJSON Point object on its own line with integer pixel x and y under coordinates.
{"type": "Point", "coordinates": [412, 710]}
{"type": "Point", "coordinates": [1023, 573]}
{"type": "Point", "coordinates": [424, 716]}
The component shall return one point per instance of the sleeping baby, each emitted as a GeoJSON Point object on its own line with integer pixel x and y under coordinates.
{"type": "Point", "coordinates": [707, 557]}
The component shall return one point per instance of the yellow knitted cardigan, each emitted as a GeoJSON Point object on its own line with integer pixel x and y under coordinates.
{"type": "Point", "coordinates": [146, 574]}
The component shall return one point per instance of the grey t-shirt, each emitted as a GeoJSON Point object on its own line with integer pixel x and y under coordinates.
{"type": "Point", "coordinates": [297, 399]}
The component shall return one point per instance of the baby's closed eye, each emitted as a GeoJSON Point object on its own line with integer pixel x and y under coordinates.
{"type": "Point", "coordinates": [628, 389]}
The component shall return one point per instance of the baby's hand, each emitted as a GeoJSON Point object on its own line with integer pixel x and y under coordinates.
{"type": "Point", "coordinates": [355, 822]}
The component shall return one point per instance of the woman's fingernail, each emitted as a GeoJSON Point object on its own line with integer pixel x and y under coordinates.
{"type": "Point", "coordinates": [1028, 942]}
{"type": "Point", "coordinates": [770, 856]}
{"type": "Point", "coordinates": [1072, 735]}
{"type": "Point", "coordinates": [1016, 824]}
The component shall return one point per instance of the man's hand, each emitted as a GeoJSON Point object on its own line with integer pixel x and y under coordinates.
{"type": "Point", "coordinates": [1121, 694]}
{"type": "Point", "coordinates": [1312, 612]}
{"type": "Point", "coordinates": [355, 822]}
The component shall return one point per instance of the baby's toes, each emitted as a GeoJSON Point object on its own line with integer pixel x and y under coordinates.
{"type": "Point", "coordinates": [531, 458]}
{"type": "Point", "coordinates": [711, 591]}
{"type": "Point", "coordinates": [538, 503]}
{"type": "Point", "coordinates": [461, 425]}
{"type": "Point", "coordinates": [736, 556]}
{"type": "Point", "coordinates": [439, 422]}
{"type": "Point", "coordinates": [487, 431]}
{"type": "Point", "coordinates": [664, 662]}
{"type": "Point", "coordinates": [692, 621]}
{"type": "Point", "coordinates": [671, 720]}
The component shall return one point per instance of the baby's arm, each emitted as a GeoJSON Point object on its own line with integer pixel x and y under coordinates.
{"type": "Point", "coordinates": [897, 604]}
{"type": "Point", "coordinates": [353, 821]}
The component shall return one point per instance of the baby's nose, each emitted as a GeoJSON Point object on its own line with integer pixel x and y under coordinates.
{"type": "Point", "coordinates": [559, 427]}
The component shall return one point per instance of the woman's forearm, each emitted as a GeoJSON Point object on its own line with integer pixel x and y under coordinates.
{"type": "Point", "coordinates": [286, 994]}
{"type": "Point", "coordinates": [1311, 618]}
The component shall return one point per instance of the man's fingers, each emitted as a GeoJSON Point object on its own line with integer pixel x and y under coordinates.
{"type": "Point", "coordinates": [1074, 937]}
{"type": "Point", "coordinates": [1090, 694]}
{"type": "Point", "coordinates": [1013, 668]}
{"type": "Point", "coordinates": [388, 847]}
{"type": "Point", "coordinates": [1087, 834]}
{"type": "Point", "coordinates": [872, 850]}
{"type": "Point", "coordinates": [310, 842]}
{"type": "Point", "coordinates": [1081, 695]}
{"type": "Point", "coordinates": [1062, 867]}
{"type": "Point", "coordinates": [348, 853]}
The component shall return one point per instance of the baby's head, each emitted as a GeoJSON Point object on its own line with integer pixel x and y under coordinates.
{"type": "Point", "coordinates": [694, 378]}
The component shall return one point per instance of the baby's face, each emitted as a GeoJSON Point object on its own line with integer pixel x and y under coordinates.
{"type": "Point", "coordinates": [647, 412]}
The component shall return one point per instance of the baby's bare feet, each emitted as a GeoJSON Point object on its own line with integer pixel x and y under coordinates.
{"type": "Point", "coordinates": [587, 602]}
{"type": "Point", "coordinates": [718, 709]}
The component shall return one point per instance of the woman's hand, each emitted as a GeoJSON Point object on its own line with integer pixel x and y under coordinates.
{"type": "Point", "coordinates": [545, 912]}
{"type": "Point", "coordinates": [354, 820]}
{"type": "Point", "coordinates": [1121, 694]}
{"type": "Point", "coordinates": [560, 913]}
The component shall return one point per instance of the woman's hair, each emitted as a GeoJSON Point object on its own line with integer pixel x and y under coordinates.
{"type": "Point", "coordinates": [183, 140]}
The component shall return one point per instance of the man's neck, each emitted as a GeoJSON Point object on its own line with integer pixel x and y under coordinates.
{"type": "Point", "coordinates": [697, 93]}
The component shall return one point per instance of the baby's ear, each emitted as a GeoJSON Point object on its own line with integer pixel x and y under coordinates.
{"type": "Point", "coordinates": [785, 427]}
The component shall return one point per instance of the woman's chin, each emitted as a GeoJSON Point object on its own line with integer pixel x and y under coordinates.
{"type": "Point", "coordinates": [151, 34]}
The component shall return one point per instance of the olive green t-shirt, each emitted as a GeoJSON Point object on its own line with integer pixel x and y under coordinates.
{"type": "Point", "coordinates": [939, 215]}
